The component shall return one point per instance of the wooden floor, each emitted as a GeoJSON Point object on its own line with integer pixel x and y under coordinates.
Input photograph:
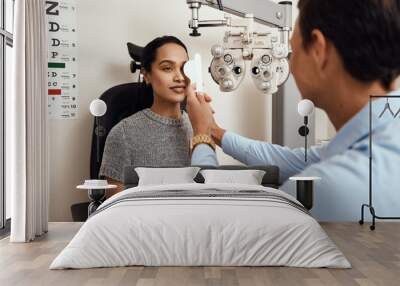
{"type": "Point", "coordinates": [374, 255]}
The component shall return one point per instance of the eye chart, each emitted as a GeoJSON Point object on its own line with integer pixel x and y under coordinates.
{"type": "Point", "coordinates": [62, 59]}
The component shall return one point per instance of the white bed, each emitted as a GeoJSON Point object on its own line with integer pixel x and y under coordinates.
{"type": "Point", "coordinates": [144, 226]}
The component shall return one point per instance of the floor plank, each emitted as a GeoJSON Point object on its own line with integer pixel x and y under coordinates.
{"type": "Point", "coordinates": [374, 255]}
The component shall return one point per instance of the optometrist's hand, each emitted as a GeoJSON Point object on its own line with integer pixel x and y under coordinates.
{"type": "Point", "coordinates": [207, 98]}
{"type": "Point", "coordinates": [201, 115]}
{"type": "Point", "coordinates": [199, 111]}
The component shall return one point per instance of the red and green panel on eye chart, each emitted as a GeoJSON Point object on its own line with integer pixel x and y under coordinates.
{"type": "Point", "coordinates": [52, 91]}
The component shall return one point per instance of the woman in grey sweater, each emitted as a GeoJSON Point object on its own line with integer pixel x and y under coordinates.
{"type": "Point", "coordinates": [159, 135]}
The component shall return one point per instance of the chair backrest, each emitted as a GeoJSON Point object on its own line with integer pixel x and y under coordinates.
{"type": "Point", "coordinates": [122, 101]}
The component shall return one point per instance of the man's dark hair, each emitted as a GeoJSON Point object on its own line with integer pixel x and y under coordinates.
{"type": "Point", "coordinates": [366, 34]}
{"type": "Point", "coordinates": [150, 50]}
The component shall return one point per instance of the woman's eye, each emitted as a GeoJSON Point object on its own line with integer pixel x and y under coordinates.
{"type": "Point", "coordinates": [167, 69]}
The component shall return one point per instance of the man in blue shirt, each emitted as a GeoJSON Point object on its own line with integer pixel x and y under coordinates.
{"type": "Point", "coordinates": [343, 52]}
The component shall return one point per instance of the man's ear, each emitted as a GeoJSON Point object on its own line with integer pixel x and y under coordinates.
{"type": "Point", "coordinates": [320, 48]}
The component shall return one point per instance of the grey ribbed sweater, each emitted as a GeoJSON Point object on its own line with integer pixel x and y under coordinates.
{"type": "Point", "coordinates": [146, 139]}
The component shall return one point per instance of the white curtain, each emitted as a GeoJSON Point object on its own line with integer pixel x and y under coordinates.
{"type": "Point", "coordinates": [26, 124]}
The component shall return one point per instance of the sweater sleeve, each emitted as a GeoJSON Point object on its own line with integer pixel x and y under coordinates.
{"type": "Point", "coordinates": [115, 154]}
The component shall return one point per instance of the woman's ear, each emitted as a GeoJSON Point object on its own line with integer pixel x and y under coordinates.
{"type": "Point", "coordinates": [146, 76]}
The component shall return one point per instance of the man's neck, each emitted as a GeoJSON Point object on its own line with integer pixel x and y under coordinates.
{"type": "Point", "coordinates": [346, 100]}
{"type": "Point", "coordinates": [166, 109]}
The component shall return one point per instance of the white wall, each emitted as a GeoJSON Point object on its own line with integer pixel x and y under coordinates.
{"type": "Point", "coordinates": [291, 96]}
{"type": "Point", "coordinates": [324, 129]}
{"type": "Point", "coordinates": [320, 126]}
{"type": "Point", "coordinates": [103, 29]}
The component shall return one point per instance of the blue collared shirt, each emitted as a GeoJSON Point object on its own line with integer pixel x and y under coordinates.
{"type": "Point", "coordinates": [342, 164]}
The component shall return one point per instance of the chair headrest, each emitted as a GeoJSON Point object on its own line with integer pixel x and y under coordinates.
{"type": "Point", "coordinates": [135, 52]}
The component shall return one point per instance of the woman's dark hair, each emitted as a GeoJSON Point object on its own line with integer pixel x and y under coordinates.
{"type": "Point", "coordinates": [150, 50]}
{"type": "Point", "coordinates": [366, 34]}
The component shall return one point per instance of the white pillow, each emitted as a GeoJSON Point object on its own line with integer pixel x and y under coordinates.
{"type": "Point", "coordinates": [248, 177]}
{"type": "Point", "coordinates": [163, 176]}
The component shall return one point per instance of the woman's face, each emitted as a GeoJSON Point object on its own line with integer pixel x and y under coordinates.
{"type": "Point", "coordinates": [166, 75]}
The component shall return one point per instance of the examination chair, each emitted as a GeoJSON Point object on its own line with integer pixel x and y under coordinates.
{"type": "Point", "coordinates": [122, 101]}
